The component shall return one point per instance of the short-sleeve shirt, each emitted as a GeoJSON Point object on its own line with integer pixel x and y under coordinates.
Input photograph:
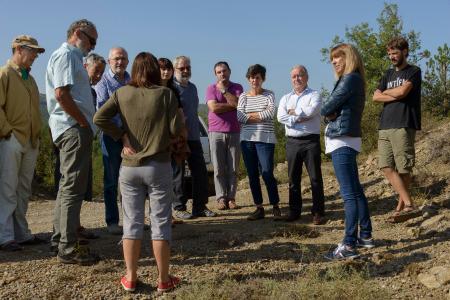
{"type": "Point", "coordinates": [227, 121]}
{"type": "Point", "coordinates": [65, 68]}
{"type": "Point", "coordinates": [402, 113]}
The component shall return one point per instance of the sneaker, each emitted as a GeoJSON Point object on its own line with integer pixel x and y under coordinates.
{"type": "Point", "coordinates": [205, 213]}
{"type": "Point", "coordinates": [182, 214]}
{"type": "Point", "coordinates": [129, 286]}
{"type": "Point", "coordinates": [257, 214]}
{"type": "Point", "coordinates": [221, 204]}
{"type": "Point", "coordinates": [114, 229]}
{"type": "Point", "coordinates": [232, 204]}
{"type": "Point", "coordinates": [169, 285]}
{"type": "Point", "coordinates": [80, 255]}
{"type": "Point", "coordinates": [276, 211]}
{"type": "Point", "coordinates": [365, 243]}
{"type": "Point", "coordinates": [11, 246]}
{"type": "Point", "coordinates": [342, 252]}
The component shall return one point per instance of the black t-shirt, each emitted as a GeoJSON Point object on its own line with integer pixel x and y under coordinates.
{"type": "Point", "coordinates": [402, 113]}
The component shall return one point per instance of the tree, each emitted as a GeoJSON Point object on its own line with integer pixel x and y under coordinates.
{"type": "Point", "coordinates": [436, 84]}
{"type": "Point", "coordinates": [372, 47]}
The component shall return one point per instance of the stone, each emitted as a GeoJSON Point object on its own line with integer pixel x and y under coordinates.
{"type": "Point", "coordinates": [428, 280]}
{"type": "Point", "coordinates": [432, 222]}
{"type": "Point", "coordinates": [435, 277]}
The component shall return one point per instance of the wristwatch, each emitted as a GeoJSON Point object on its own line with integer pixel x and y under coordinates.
{"type": "Point", "coordinates": [223, 91]}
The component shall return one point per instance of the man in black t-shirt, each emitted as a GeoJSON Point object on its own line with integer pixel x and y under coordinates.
{"type": "Point", "coordinates": [399, 91]}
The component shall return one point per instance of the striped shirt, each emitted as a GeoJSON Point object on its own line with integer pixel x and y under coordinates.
{"type": "Point", "coordinates": [263, 104]}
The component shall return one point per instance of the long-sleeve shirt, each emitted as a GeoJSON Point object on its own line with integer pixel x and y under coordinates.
{"type": "Point", "coordinates": [149, 117]}
{"type": "Point", "coordinates": [19, 105]}
{"type": "Point", "coordinates": [264, 105]}
{"type": "Point", "coordinates": [307, 113]}
{"type": "Point", "coordinates": [106, 86]}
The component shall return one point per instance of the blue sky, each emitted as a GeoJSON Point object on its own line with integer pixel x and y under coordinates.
{"type": "Point", "coordinates": [278, 34]}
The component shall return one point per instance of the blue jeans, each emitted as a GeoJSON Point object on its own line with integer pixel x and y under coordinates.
{"type": "Point", "coordinates": [112, 159]}
{"type": "Point", "coordinates": [258, 158]}
{"type": "Point", "coordinates": [355, 202]}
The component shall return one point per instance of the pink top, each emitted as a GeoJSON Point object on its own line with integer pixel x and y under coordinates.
{"type": "Point", "coordinates": [227, 121]}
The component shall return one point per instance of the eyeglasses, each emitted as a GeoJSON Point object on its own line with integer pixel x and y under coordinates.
{"type": "Point", "coordinates": [119, 58]}
{"type": "Point", "coordinates": [92, 41]}
{"type": "Point", "coordinates": [188, 68]}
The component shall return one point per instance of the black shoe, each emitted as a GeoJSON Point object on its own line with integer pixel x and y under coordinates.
{"type": "Point", "coordinates": [80, 256]}
{"type": "Point", "coordinates": [53, 250]}
{"type": "Point", "coordinates": [257, 214]}
{"type": "Point", "coordinates": [33, 241]}
{"type": "Point", "coordinates": [11, 247]}
{"type": "Point", "coordinates": [276, 211]}
{"type": "Point", "coordinates": [292, 217]}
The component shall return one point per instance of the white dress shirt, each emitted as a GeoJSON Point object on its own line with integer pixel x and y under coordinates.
{"type": "Point", "coordinates": [307, 113]}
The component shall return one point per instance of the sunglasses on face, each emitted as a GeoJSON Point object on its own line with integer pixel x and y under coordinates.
{"type": "Point", "coordinates": [92, 41]}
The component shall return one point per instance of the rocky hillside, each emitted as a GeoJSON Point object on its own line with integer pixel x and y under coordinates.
{"type": "Point", "coordinates": [230, 258]}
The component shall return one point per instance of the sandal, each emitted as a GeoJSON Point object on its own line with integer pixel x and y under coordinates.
{"type": "Point", "coordinates": [169, 285]}
{"type": "Point", "coordinates": [408, 209]}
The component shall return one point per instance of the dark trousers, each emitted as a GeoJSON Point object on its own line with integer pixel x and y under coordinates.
{"type": "Point", "coordinates": [197, 166]}
{"type": "Point", "coordinates": [112, 159]}
{"type": "Point", "coordinates": [305, 150]}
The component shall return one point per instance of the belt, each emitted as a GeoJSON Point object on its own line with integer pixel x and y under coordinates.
{"type": "Point", "coordinates": [305, 137]}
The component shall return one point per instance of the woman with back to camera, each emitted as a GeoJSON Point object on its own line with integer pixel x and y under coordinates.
{"type": "Point", "coordinates": [255, 112]}
{"type": "Point", "coordinates": [149, 113]}
{"type": "Point", "coordinates": [343, 112]}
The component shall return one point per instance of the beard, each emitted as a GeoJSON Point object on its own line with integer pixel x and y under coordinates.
{"type": "Point", "coordinates": [182, 79]}
{"type": "Point", "coordinates": [398, 62]}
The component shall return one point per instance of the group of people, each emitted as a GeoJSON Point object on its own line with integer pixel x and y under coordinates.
{"type": "Point", "coordinates": [149, 128]}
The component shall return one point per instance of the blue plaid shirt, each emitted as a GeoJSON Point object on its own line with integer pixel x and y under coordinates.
{"type": "Point", "coordinates": [106, 87]}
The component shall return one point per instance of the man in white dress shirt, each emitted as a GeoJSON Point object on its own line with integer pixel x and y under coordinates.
{"type": "Point", "coordinates": [299, 111]}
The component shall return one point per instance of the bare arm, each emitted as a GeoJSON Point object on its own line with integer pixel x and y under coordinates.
{"type": "Point", "coordinates": [400, 92]}
{"type": "Point", "coordinates": [232, 100]}
{"type": "Point", "coordinates": [379, 96]}
{"type": "Point", "coordinates": [65, 100]}
{"type": "Point", "coordinates": [219, 108]}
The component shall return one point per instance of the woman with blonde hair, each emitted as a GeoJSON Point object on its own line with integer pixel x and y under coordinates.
{"type": "Point", "coordinates": [343, 112]}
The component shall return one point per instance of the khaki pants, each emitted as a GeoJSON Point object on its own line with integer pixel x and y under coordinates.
{"type": "Point", "coordinates": [75, 153]}
{"type": "Point", "coordinates": [17, 165]}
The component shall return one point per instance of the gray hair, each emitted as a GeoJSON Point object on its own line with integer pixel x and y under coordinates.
{"type": "Point", "coordinates": [301, 67]}
{"type": "Point", "coordinates": [94, 58]}
{"type": "Point", "coordinates": [79, 24]}
{"type": "Point", "coordinates": [180, 58]}
{"type": "Point", "coordinates": [117, 48]}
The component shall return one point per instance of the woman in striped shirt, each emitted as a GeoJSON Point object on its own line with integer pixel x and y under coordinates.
{"type": "Point", "coordinates": [255, 112]}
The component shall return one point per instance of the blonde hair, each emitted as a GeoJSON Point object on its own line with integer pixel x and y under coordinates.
{"type": "Point", "coordinates": [353, 60]}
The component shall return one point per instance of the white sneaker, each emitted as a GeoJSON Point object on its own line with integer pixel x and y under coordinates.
{"type": "Point", "coordinates": [114, 229]}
